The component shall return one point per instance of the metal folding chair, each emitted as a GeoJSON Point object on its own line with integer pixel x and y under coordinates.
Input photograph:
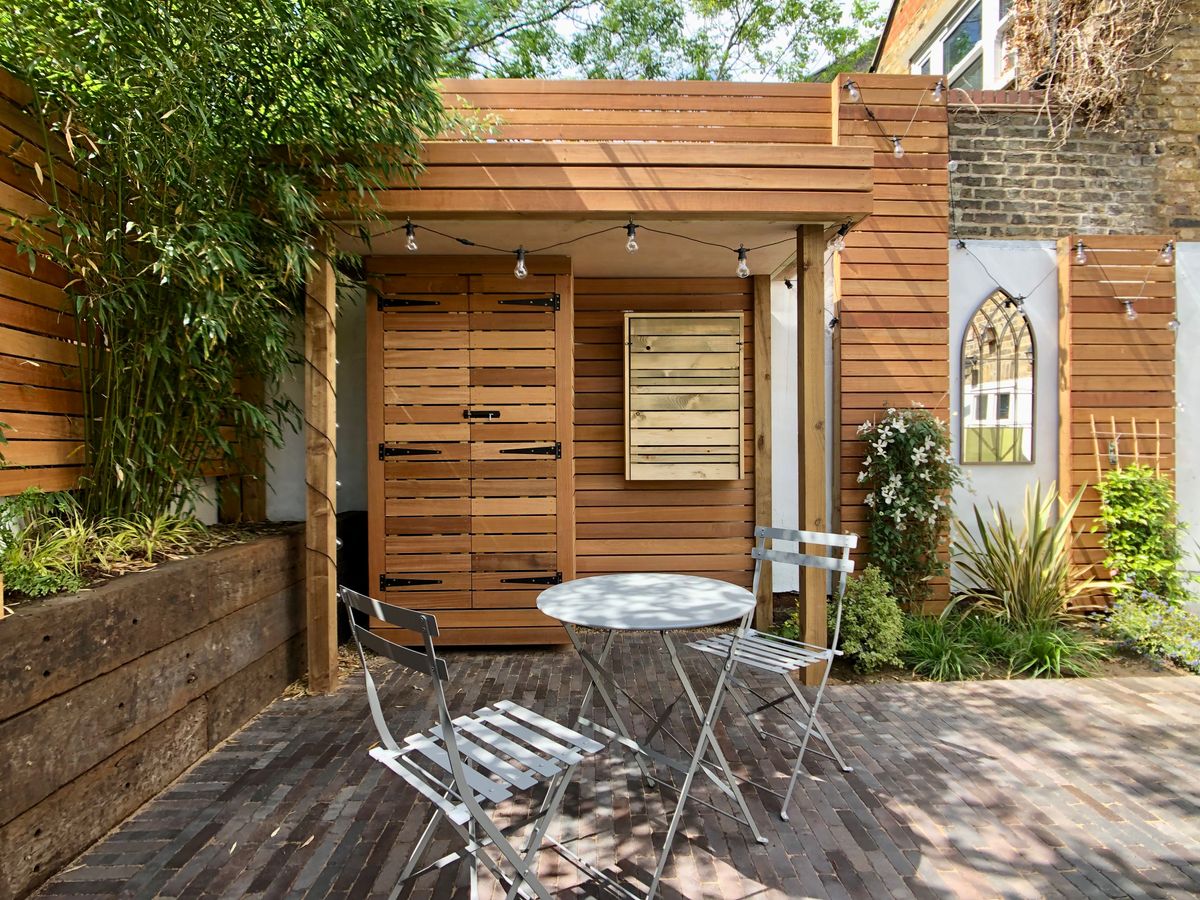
{"type": "Point", "coordinates": [464, 764]}
{"type": "Point", "coordinates": [780, 657]}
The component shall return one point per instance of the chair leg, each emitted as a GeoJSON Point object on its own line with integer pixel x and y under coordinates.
{"type": "Point", "coordinates": [812, 718]}
{"type": "Point", "coordinates": [422, 845]}
{"type": "Point", "coordinates": [818, 728]}
{"type": "Point", "coordinates": [550, 804]}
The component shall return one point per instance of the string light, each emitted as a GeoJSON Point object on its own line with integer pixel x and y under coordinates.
{"type": "Point", "coordinates": [1130, 313]}
{"type": "Point", "coordinates": [743, 267]}
{"type": "Point", "coordinates": [952, 166]}
{"type": "Point", "coordinates": [520, 271]}
{"type": "Point", "coordinates": [411, 231]}
{"type": "Point", "coordinates": [1080, 253]}
{"type": "Point", "coordinates": [897, 149]}
{"type": "Point", "coordinates": [631, 231]}
{"type": "Point", "coordinates": [838, 244]}
{"type": "Point", "coordinates": [787, 283]}
{"type": "Point", "coordinates": [831, 325]}
{"type": "Point", "coordinates": [938, 89]}
{"type": "Point", "coordinates": [1173, 325]}
{"type": "Point", "coordinates": [1167, 253]}
{"type": "Point", "coordinates": [852, 89]}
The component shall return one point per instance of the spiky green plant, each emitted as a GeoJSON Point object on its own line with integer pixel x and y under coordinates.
{"type": "Point", "coordinates": [1047, 651]}
{"type": "Point", "coordinates": [1022, 574]}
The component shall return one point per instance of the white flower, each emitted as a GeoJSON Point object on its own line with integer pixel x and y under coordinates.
{"type": "Point", "coordinates": [862, 476]}
{"type": "Point", "coordinates": [869, 499]}
{"type": "Point", "coordinates": [866, 426]}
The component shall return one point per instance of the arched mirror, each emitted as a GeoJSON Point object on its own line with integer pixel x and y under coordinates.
{"type": "Point", "coordinates": [998, 359]}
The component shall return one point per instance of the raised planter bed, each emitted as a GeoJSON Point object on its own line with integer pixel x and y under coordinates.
{"type": "Point", "coordinates": [108, 695]}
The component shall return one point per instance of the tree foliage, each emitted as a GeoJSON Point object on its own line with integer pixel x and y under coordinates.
{"type": "Point", "coordinates": [660, 39]}
{"type": "Point", "coordinates": [203, 134]}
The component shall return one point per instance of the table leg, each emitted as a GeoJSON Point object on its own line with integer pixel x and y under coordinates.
{"type": "Point", "coordinates": [596, 677]}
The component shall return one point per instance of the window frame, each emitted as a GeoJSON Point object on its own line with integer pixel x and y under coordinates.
{"type": "Point", "coordinates": [987, 50]}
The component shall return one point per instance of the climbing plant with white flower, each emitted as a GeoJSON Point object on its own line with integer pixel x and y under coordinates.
{"type": "Point", "coordinates": [908, 473]}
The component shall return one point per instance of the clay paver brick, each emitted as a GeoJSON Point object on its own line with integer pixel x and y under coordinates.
{"type": "Point", "coordinates": [1016, 789]}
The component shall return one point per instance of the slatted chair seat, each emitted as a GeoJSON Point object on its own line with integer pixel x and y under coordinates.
{"type": "Point", "coordinates": [777, 656]}
{"type": "Point", "coordinates": [466, 764]}
{"type": "Point", "coordinates": [766, 652]}
{"type": "Point", "coordinates": [505, 748]}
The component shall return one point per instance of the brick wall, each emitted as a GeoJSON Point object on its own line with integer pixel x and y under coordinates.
{"type": "Point", "coordinates": [1014, 180]}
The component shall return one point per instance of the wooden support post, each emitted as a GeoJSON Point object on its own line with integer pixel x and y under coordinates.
{"type": "Point", "coordinates": [764, 615]}
{"type": "Point", "coordinates": [810, 396]}
{"type": "Point", "coordinates": [320, 424]}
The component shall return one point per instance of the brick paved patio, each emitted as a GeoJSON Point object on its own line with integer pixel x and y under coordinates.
{"type": "Point", "coordinates": [1022, 788]}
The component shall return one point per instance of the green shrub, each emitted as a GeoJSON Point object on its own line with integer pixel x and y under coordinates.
{"type": "Point", "coordinates": [908, 473]}
{"type": "Point", "coordinates": [937, 649]}
{"type": "Point", "coordinates": [1138, 515]}
{"type": "Point", "coordinates": [1158, 628]}
{"type": "Point", "coordinates": [990, 637]}
{"type": "Point", "coordinates": [1052, 651]}
{"type": "Point", "coordinates": [1023, 576]}
{"type": "Point", "coordinates": [48, 547]}
{"type": "Point", "coordinates": [872, 623]}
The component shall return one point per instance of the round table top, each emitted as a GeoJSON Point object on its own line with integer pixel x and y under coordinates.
{"type": "Point", "coordinates": [645, 602]}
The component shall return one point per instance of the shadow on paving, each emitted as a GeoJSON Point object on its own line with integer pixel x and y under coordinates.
{"type": "Point", "coordinates": [1080, 788]}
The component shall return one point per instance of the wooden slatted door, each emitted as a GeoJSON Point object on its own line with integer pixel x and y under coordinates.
{"type": "Point", "coordinates": [478, 513]}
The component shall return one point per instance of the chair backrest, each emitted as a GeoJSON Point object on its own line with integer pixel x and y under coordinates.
{"type": "Point", "coordinates": [832, 561]}
{"type": "Point", "coordinates": [425, 662]}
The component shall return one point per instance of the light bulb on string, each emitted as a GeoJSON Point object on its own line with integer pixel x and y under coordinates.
{"type": "Point", "coordinates": [839, 240]}
{"type": "Point", "coordinates": [938, 90]}
{"type": "Point", "coordinates": [1080, 253]}
{"type": "Point", "coordinates": [852, 90]}
{"type": "Point", "coordinates": [897, 149]}
{"type": "Point", "coordinates": [1020, 304]}
{"type": "Point", "coordinates": [1173, 325]}
{"type": "Point", "coordinates": [411, 230]}
{"type": "Point", "coordinates": [1130, 313]}
{"type": "Point", "coordinates": [743, 267]}
{"type": "Point", "coordinates": [520, 271]}
{"type": "Point", "coordinates": [831, 325]}
{"type": "Point", "coordinates": [631, 245]}
{"type": "Point", "coordinates": [1167, 253]}
{"type": "Point", "coordinates": [952, 166]}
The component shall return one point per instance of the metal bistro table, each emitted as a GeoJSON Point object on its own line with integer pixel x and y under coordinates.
{"type": "Point", "coordinates": [662, 603]}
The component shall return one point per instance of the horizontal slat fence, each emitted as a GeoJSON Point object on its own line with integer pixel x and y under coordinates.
{"type": "Point", "coordinates": [40, 402]}
{"type": "Point", "coordinates": [1117, 376]}
{"type": "Point", "coordinates": [699, 528]}
{"type": "Point", "coordinates": [892, 341]}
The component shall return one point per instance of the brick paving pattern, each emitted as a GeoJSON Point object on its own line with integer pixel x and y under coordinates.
{"type": "Point", "coordinates": [990, 789]}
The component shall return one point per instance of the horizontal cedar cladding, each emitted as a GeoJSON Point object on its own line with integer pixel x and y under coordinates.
{"type": "Point", "coordinates": [1117, 376]}
{"type": "Point", "coordinates": [649, 148]}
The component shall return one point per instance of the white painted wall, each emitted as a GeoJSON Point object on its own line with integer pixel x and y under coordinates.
{"type": "Point", "coordinates": [1018, 266]}
{"type": "Point", "coordinates": [285, 465]}
{"type": "Point", "coordinates": [1187, 394]}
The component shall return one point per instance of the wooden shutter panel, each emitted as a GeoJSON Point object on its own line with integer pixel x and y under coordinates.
{"type": "Point", "coordinates": [683, 396]}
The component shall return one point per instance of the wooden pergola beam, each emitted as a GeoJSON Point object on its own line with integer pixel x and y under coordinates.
{"type": "Point", "coordinates": [810, 398]}
{"type": "Point", "coordinates": [320, 438]}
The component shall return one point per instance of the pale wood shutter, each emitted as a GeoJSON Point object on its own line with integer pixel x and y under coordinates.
{"type": "Point", "coordinates": [683, 396]}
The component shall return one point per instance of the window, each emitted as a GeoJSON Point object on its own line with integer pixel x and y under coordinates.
{"type": "Point", "coordinates": [963, 39]}
{"type": "Point", "coordinates": [997, 362]}
{"type": "Point", "coordinates": [971, 47]}
{"type": "Point", "coordinates": [683, 396]}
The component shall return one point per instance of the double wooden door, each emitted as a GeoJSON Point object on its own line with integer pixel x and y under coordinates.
{"type": "Point", "coordinates": [471, 502]}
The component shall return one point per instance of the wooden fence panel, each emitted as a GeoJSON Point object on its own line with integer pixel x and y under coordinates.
{"type": "Point", "coordinates": [40, 401]}
{"type": "Point", "coordinates": [1116, 374]}
{"type": "Point", "coordinates": [894, 307]}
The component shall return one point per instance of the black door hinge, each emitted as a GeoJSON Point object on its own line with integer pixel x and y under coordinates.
{"type": "Point", "coordinates": [384, 303]}
{"type": "Point", "coordinates": [386, 582]}
{"type": "Point", "coordinates": [556, 578]}
{"type": "Point", "coordinates": [554, 302]}
{"type": "Point", "coordinates": [554, 450]}
{"type": "Point", "coordinates": [386, 452]}
{"type": "Point", "coordinates": [481, 413]}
